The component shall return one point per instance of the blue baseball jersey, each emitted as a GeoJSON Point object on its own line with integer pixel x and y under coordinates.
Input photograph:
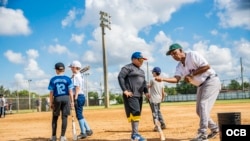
{"type": "Point", "coordinates": [60, 85]}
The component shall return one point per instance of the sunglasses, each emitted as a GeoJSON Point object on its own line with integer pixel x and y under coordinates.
{"type": "Point", "coordinates": [140, 59]}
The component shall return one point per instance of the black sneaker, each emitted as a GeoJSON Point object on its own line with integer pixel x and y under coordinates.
{"type": "Point", "coordinates": [213, 134]}
{"type": "Point", "coordinates": [82, 136]}
{"type": "Point", "coordinates": [155, 129]}
{"type": "Point", "coordinates": [89, 132]}
{"type": "Point", "coordinates": [163, 126]}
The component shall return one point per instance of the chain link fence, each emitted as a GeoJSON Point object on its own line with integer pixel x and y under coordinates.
{"type": "Point", "coordinates": [221, 96]}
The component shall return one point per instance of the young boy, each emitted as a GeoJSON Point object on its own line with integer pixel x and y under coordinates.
{"type": "Point", "coordinates": [156, 97]}
{"type": "Point", "coordinates": [79, 98]}
{"type": "Point", "coordinates": [61, 96]}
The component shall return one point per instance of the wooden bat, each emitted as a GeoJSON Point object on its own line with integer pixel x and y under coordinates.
{"type": "Point", "coordinates": [84, 69]}
{"type": "Point", "coordinates": [73, 127]}
{"type": "Point", "coordinates": [158, 124]}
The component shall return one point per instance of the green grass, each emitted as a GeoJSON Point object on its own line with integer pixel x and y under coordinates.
{"type": "Point", "coordinates": [173, 103]}
{"type": "Point", "coordinates": [102, 107]}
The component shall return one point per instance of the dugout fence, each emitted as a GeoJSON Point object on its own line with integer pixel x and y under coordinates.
{"type": "Point", "coordinates": [221, 96]}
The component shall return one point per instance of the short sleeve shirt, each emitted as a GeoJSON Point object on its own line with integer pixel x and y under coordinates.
{"type": "Point", "coordinates": [77, 81]}
{"type": "Point", "coordinates": [156, 91]}
{"type": "Point", "coordinates": [192, 62]}
{"type": "Point", "coordinates": [60, 85]}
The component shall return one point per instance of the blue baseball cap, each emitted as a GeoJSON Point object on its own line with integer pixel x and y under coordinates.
{"type": "Point", "coordinates": [137, 55]}
{"type": "Point", "coordinates": [156, 69]}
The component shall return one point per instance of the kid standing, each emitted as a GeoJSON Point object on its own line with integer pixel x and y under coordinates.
{"type": "Point", "coordinates": [156, 97]}
{"type": "Point", "coordinates": [61, 95]}
{"type": "Point", "coordinates": [79, 98]}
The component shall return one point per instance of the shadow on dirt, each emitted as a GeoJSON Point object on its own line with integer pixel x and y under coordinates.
{"type": "Point", "coordinates": [148, 139]}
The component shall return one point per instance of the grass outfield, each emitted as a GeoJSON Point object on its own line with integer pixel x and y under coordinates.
{"type": "Point", "coordinates": [176, 103]}
{"type": "Point", "coordinates": [146, 104]}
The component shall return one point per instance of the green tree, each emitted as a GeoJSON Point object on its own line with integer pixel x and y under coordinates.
{"type": "Point", "coordinates": [234, 85]}
{"type": "Point", "coordinates": [246, 86]}
{"type": "Point", "coordinates": [5, 92]}
{"type": "Point", "coordinates": [185, 88]}
{"type": "Point", "coordinates": [112, 96]}
{"type": "Point", "coordinates": [119, 99]}
{"type": "Point", "coordinates": [170, 91]}
{"type": "Point", "coordinates": [93, 95]}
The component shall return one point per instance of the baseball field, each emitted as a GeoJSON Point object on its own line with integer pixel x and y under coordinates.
{"type": "Point", "coordinates": [110, 124]}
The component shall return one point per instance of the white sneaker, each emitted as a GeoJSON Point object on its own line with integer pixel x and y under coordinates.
{"type": "Point", "coordinates": [200, 137]}
{"type": "Point", "coordinates": [63, 138]}
{"type": "Point", "coordinates": [53, 138]}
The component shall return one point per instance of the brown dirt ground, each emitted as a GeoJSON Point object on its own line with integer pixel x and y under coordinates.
{"type": "Point", "coordinates": [111, 124]}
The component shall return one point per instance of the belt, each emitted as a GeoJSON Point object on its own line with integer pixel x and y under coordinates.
{"type": "Point", "coordinates": [209, 77]}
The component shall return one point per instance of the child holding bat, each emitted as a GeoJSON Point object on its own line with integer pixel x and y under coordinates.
{"type": "Point", "coordinates": [79, 98]}
{"type": "Point", "coordinates": [156, 91]}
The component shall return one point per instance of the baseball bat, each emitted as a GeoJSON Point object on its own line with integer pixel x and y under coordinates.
{"type": "Point", "coordinates": [84, 69]}
{"type": "Point", "coordinates": [73, 127]}
{"type": "Point", "coordinates": [157, 123]}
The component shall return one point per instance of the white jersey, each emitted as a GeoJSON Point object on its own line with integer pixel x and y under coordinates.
{"type": "Point", "coordinates": [77, 80]}
{"type": "Point", "coordinates": [192, 62]}
{"type": "Point", "coordinates": [2, 102]}
{"type": "Point", "coordinates": [155, 91]}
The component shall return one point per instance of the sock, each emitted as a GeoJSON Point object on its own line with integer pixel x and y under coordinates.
{"type": "Point", "coordinates": [135, 125]}
{"type": "Point", "coordinates": [86, 125]}
{"type": "Point", "coordinates": [81, 123]}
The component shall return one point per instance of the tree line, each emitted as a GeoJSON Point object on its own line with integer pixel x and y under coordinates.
{"type": "Point", "coordinates": [180, 88]}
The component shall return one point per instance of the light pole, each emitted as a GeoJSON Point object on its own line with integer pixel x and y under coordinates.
{"type": "Point", "coordinates": [105, 22]}
{"type": "Point", "coordinates": [29, 92]}
{"type": "Point", "coordinates": [86, 89]}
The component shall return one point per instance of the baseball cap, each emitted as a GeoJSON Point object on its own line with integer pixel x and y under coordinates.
{"type": "Point", "coordinates": [156, 69]}
{"type": "Point", "coordinates": [76, 64]}
{"type": "Point", "coordinates": [173, 47]}
{"type": "Point", "coordinates": [59, 66]}
{"type": "Point", "coordinates": [137, 55]}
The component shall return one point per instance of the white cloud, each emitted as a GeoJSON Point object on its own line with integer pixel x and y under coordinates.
{"type": "Point", "coordinates": [67, 21]}
{"type": "Point", "coordinates": [13, 22]}
{"type": "Point", "coordinates": [233, 13]}
{"type": "Point", "coordinates": [242, 48]}
{"type": "Point", "coordinates": [214, 32]}
{"type": "Point", "coordinates": [22, 83]}
{"type": "Point", "coordinates": [13, 57]}
{"type": "Point", "coordinates": [219, 58]}
{"type": "Point", "coordinates": [58, 49]}
{"type": "Point", "coordinates": [77, 38]}
{"type": "Point", "coordinates": [32, 53]}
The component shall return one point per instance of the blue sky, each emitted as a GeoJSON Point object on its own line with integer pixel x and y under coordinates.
{"type": "Point", "coordinates": [34, 35]}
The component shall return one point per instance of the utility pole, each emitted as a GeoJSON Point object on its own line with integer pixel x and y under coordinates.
{"type": "Point", "coordinates": [29, 93]}
{"type": "Point", "coordinates": [241, 69]}
{"type": "Point", "coordinates": [105, 22]}
{"type": "Point", "coordinates": [86, 89]}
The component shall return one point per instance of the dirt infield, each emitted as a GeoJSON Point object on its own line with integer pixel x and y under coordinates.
{"type": "Point", "coordinates": [111, 124]}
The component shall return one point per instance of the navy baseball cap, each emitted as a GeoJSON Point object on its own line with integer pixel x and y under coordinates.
{"type": "Point", "coordinates": [156, 69]}
{"type": "Point", "coordinates": [173, 47]}
{"type": "Point", "coordinates": [59, 66]}
{"type": "Point", "coordinates": [137, 55]}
